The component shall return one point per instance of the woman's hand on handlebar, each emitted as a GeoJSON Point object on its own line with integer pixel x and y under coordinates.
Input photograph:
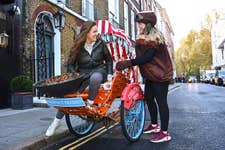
{"type": "Point", "coordinates": [121, 65]}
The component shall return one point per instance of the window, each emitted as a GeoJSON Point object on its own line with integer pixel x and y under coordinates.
{"type": "Point", "coordinates": [114, 10]}
{"type": "Point", "coordinates": [64, 2]}
{"type": "Point", "coordinates": [68, 3]}
{"type": "Point", "coordinates": [88, 9]}
{"type": "Point", "coordinates": [126, 24]}
{"type": "Point", "coordinates": [132, 26]}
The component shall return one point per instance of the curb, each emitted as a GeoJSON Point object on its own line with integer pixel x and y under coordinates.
{"type": "Point", "coordinates": [42, 105]}
{"type": "Point", "coordinates": [40, 141]}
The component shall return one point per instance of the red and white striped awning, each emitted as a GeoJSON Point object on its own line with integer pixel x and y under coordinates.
{"type": "Point", "coordinates": [117, 41]}
{"type": "Point", "coordinates": [105, 27]}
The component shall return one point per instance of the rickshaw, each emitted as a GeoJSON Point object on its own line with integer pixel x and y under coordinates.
{"type": "Point", "coordinates": [80, 119]}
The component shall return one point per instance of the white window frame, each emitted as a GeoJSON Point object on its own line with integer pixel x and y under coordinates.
{"type": "Point", "coordinates": [132, 26]}
{"type": "Point", "coordinates": [113, 6]}
{"type": "Point", "coordinates": [88, 12]}
{"type": "Point", "coordinates": [126, 21]}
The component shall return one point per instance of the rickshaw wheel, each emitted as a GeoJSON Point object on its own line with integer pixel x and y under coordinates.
{"type": "Point", "coordinates": [79, 125]}
{"type": "Point", "coordinates": [132, 120]}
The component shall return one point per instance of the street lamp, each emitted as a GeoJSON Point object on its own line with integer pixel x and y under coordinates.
{"type": "Point", "coordinates": [14, 10]}
{"type": "Point", "coordinates": [4, 39]}
{"type": "Point", "coordinates": [59, 20]}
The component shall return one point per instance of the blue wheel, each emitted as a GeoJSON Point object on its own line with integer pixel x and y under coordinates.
{"type": "Point", "coordinates": [79, 125]}
{"type": "Point", "coordinates": [132, 120]}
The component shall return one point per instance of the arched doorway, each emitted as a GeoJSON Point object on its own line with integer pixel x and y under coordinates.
{"type": "Point", "coordinates": [44, 54]}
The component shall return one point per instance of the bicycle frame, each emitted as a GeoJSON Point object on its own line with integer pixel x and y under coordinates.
{"type": "Point", "coordinates": [103, 99]}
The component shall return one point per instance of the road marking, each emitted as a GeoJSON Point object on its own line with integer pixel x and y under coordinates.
{"type": "Point", "coordinates": [87, 137]}
{"type": "Point", "coordinates": [68, 145]}
{"type": "Point", "coordinates": [174, 89]}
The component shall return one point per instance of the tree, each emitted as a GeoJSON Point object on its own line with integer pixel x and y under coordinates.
{"type": "Point", "coordinates": [194, 53]}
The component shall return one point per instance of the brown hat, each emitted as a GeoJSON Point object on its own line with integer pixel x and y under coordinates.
{"type": "Point", "coordinates": [146, 17]}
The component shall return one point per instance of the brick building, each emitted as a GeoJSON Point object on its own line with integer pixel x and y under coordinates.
{"type": "Point", "coordinates": [36, 47]}
{"type": "Point", "coordinates": [75, 13]}
{"type": "Point", "coordinates": [39, 49]}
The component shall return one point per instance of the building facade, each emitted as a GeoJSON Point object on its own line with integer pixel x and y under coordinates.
{"type": "Point", "coordinates": [218, 43]}
{"type": "Point", "coordinates": [38, 48]}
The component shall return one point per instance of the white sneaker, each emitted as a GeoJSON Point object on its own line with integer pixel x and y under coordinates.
{"type": "Point", "coordinates": [90, 101]}
{"type": "Point", "coordinates": [90, 104]}
{"type": "Point", "coordinates": [54, 125]}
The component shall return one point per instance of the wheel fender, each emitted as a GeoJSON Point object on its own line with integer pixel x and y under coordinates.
{"type": "Point", "coordinates": [131, 93]}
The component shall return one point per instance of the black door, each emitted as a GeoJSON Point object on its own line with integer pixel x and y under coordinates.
{"type": "Point", "coordinates": [44, 56]}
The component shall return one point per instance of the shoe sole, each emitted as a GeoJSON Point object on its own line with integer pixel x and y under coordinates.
{"type": "Point", "coordinates": [152, 131]}
{"type": "Point", "coordinates": [165, 139]}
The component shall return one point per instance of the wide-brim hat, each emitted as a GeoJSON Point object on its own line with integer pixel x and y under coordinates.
{"type": "Point", "coordinates": [146, 17]}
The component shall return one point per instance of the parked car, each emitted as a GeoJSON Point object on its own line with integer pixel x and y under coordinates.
{"type": "Point", "coordinates": [192, 79]}
{"type": "Point", "coordinates": [180, 79]}
{"type": "Point", "coordinates": [209, 76]}
{"type": "Point", "coordinates": [220, 78]}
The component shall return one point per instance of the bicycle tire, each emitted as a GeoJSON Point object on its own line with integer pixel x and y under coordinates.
{"type": "Point", "coordinates": [132, 120]}
{"type": "Point", "coordinates": [79, 128]}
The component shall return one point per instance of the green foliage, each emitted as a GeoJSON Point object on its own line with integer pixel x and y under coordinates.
{"type": "Point", "coordinates": [195, 53]}
{"type": "Point", "coordinates": [21, 83]}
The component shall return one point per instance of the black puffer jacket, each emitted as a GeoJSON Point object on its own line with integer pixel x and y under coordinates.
{"type": "Point", "coordinates": [100, 60]}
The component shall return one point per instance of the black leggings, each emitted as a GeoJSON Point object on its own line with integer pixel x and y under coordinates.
{"type": "Point", "coordinates": [156, 94]}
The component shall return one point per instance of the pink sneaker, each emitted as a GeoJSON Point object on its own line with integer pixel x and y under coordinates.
{"type": "Point", "coordinates": [160, 137]}
{"type": "Point", "coordinates": [151, 129]}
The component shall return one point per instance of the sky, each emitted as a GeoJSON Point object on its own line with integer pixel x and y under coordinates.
{"type": "Point", "coordinates": [188, 14]}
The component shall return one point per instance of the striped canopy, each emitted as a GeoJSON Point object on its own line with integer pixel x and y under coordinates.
{"type": "Point", "coordinates": [116, 39]}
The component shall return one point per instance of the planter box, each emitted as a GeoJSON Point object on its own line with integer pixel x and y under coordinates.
{"type": "Point", "coordinates": [22, 100]}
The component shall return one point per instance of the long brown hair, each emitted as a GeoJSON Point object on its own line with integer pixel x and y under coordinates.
{"type": "Point", "coordinates": [153, 33]}
{"type": "Point", "coordinates": [80, 40]}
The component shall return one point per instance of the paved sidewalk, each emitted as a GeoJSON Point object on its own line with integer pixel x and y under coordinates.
{"type": "Point", "coordinates": [25, 129]}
